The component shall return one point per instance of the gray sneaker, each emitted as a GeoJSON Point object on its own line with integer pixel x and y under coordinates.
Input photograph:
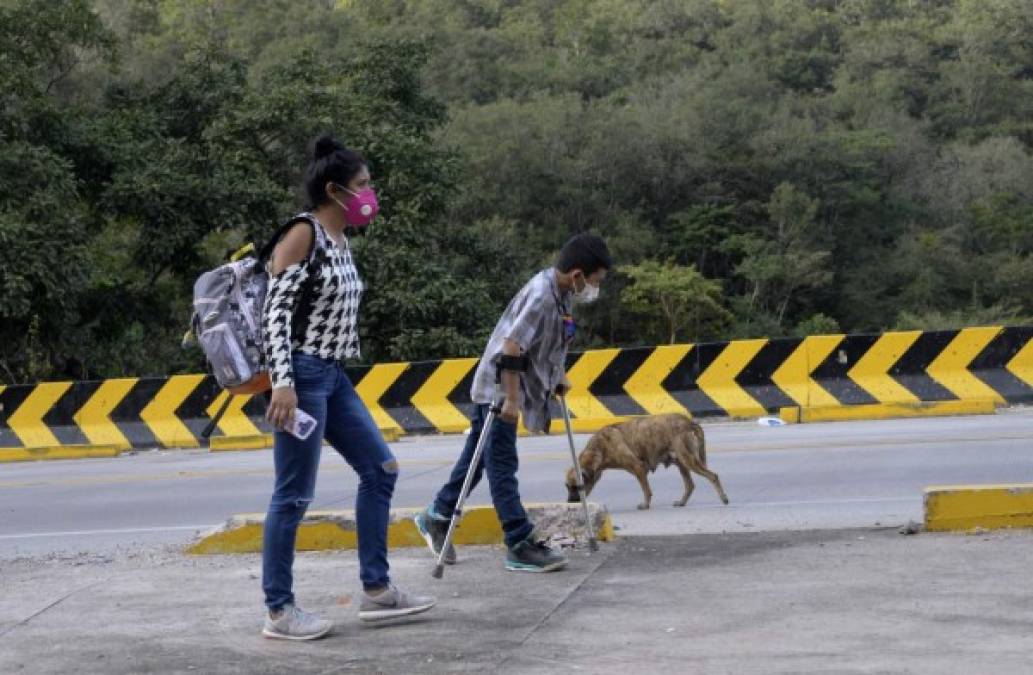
{"type": "Point", "coordinates": [295, 624]}
{"type": "Point", "coordinates": [393, 603]}
{"type": "Point", "coordinates": [434, 530]}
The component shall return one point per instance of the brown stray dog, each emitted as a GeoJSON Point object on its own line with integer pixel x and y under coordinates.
{"type": "Point", "coordinates": [641, 445]}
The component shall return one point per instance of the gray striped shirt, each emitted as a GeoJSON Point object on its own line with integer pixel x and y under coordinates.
{"type": "Point", "coordinates": [533, 320]}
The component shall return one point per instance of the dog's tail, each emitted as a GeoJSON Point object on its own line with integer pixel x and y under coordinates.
{"type": "Point", "coordinates": [697, 431]}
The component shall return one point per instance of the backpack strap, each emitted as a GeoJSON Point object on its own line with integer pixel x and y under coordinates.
{"type": "Point", "coordinates": [314, 260]}
{"type": "Point", "coordinates": [266, 253]}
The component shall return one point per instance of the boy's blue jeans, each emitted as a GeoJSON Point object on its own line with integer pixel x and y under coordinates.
{"type": "Point", "coordinates": [326, 393]}
{"type": "Point", "coordinates": [500, 459]}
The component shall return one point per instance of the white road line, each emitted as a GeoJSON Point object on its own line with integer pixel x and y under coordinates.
{"type": "Point", "coordinates": [128, 530]}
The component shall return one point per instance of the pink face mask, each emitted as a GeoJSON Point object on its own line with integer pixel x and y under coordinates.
{"type": "Point", "coordinates": [361, 208]}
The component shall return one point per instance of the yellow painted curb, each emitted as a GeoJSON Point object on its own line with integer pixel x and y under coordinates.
{"type": "Point", "coordinates": [265, 441]}
{"type": "Point", "coordinates": [226, 443]}
{"type": "Point", "coordinates": [331, 530]}
{"type": "Point", "coordinates": [790, 415]}
{"type": "Point", "coordinates": [950, 508]}
{"type": "Point", "coordinates": [884, 411]}
{"type": "Point", "coordinates": [59, 452]}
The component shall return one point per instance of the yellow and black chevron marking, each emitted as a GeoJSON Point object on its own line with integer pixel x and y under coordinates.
{"type": "Point", "coordinates": [123, 413]}
{"type": "Point", "coordinates": [740, 379]}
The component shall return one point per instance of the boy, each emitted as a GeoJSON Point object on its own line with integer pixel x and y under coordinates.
{"type": "Point", "coordinates": [537, 325]}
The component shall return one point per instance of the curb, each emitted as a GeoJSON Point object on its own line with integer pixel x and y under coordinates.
{"type": "Point", "coordinates": [59, 452]}
{"type": "Point", "coordinates": [231, 443]}
{"type": "Point", "coordinates": [265, 441]}
{"type": "Point", "coordinates": [953, 508]}
{"type": "Point", "coordinates": [885, 411]}
{"type": "Point", "coordinates": [335, 530]}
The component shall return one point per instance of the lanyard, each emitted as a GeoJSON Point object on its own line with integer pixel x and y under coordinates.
{"type": "Point", "coordinates": [569, 325]}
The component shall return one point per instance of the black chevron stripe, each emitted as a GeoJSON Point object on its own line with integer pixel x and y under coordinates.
{"type": "Point", "coordinates": [460, 394]}
{"type": "Point", "coordinates": [832, 373]}
{"type": "Point", "coordinates": [609, 386]}
{"type": "Point", "coordinates": [255, 410]}
{"type": "Point", "coordinates": [127, 413]}
{"type": "Point", "coordinates": [910, 369]}
{"type": "Point", "coordinates": [989, 366]}
{"type": "Point", "coordinates": [59, 417]}
{"type": "Point", "coordinates": [681, 383]}
{"type": "Point", "coordinates": [193, 411]}
{"type": "Point", "coordinates": [10, 399]}
{"type": "Point", "coordinates": [397, 400]}
{"type": "Point", "coordinates": [756, 376]}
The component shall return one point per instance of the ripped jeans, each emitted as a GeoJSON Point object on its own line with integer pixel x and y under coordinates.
{"type": "Point", "coordinates": [325, 392]}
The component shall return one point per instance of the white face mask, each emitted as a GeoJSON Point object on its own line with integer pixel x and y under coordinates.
{"type": "Point", "coordinates": [587, 294]}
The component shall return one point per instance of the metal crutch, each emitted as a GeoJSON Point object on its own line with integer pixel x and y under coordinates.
{"type": "Point", "coordinates": [592, 544]}
{"type": "Point", "coordinates": [494, 410]}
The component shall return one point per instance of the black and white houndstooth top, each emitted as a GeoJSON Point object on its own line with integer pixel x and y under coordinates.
{"type": "Point", "coordinates": [322, 321]}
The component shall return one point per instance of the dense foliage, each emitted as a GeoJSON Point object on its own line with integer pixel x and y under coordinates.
{"type": "Point", "coordinates": [760, 167]}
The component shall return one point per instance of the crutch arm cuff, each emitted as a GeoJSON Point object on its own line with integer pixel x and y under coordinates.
{"type": "Point", "coordinates": [518, 364]}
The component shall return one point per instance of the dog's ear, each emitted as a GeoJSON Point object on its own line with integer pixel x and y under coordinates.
{"type": "Point", "coordinates": [592, 456]}
{"type": "Point", "coordinates": [589, 475]}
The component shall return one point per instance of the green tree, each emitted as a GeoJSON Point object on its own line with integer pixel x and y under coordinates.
{"type": "Point", "coordinates": [674, 302]}
{"type": "Point", "coordinates": [790, 261]}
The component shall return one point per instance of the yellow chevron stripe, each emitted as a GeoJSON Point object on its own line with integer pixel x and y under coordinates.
{"type": "Point", "coordinates": [718, 380]}
{"type": "Point", "coordinates": [94, 417]}
{"type": "Point", "coordinates": [372, 387]}
{"type": "Point", "coordinates": [645, 385]}
{"type": "Point", "coordinates": [234, 422]}
{"type": "Point", "coordinates": [950, 368]}
{"type": "Point", "coordinates": [27, 420]}
{"type": "Point", "coordinates": [1021, 366]}
{"type": "Point", "coordinates": [160, 414]}
{"type": "Point", "coordinates": [871, 373]}
{"type": "Point", "coordinates": [582, 374]}
{"type": "Point", "coordinates": [794, 376]}
{"type": "Point", "coordinates": [432, 398]}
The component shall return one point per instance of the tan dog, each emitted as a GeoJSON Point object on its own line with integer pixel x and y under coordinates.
{"type": "Point", "coordinates": [641, 445]}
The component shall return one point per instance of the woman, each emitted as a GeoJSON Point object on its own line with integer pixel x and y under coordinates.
{"type": "Point", "coordinates": [309, 324]}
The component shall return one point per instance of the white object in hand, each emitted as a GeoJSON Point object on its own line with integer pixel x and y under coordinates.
{"type": "Point", "coordinates": [302, 426]}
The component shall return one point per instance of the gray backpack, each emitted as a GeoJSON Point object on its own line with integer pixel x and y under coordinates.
{"type": "Point", "coordinates": [227, 318]}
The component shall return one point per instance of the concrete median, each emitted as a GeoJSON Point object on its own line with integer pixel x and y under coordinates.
{"type": "Point", "coordinates": [968, 507]}
{"type": "Point", "coordinates": [330, 530]}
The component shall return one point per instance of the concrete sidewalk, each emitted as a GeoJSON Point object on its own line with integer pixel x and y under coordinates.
{"type": "Point", "coordinates": [847, 601]}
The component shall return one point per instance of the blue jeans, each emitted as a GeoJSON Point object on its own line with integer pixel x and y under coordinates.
{"type": "Point", "coordinates": [500, 458]}
{"type": "Point", "coordinates": [326, 393]}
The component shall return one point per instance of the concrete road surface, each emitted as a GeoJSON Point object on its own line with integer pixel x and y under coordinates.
{"type": "Point", "coordinates": [795, 477]}
{"type": "Point", "coordinates": [803, 572]}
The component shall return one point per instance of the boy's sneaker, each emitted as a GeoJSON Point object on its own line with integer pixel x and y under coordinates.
{"type": "Point", "coordinates": [393, 603]}
{"type": "Point", "coordinates": [434, 530]}
{"type": "Point", "coordinates": [295, 624]}
{"type": "Point", "coordinates": [533, 556]}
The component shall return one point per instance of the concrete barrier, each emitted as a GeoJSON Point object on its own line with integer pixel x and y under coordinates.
{"type": "Point", "coordinates": [967, 507]}
{"type": "Point", "coordinates": [824, 377]}
{"type": "Point", "coordinates": [326, 530]}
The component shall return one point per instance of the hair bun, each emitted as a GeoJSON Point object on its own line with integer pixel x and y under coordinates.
{"type": "Point", "coordinates": [324, 146]}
